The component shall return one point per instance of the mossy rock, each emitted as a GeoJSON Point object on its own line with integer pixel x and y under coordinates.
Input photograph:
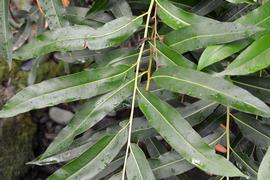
{"type": "Point", "coordinates": [16, 137]}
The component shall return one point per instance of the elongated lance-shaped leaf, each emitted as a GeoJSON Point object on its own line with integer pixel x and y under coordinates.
{"type": "Point", "coordinates": [121, 8]}
{"type": "Point", "coordinates": [169, 57]}
{"type": "Point", "coordinates": [73, 38]}
{"type": "Point", "coordinates": [254, 130]}
{"type": "Point", "coordinates": [92, 112]}
{"type": "Point", "coordinates": [137, 166]}
{"type": "Point", "coordinates": [212, 54]}
{"type": "Point", "coordinates": [5, 33]}
{"type": "Point", "coordinates": [54, 13]}
{"type": "Point", "coordinates": [264, 172]}
{"type": "Point", "coordinates": [95, 159]}
{"type": "Point", "coordinates": [171, 163]}
{"type": "Point", "coordinates": [180, 135]}
{"type": "Point", "coordinates": [176, 17]}
{"type": "Point", "coordinates": [207, 87]}
{"type": "Point", "coordinates": [258, 86]}
{"type": "Point", "coordinates": [246, 164]}
{"type": "Point", "coordinates": [82, 85]}
{"type": "Point", "coordinates": [205, 34]}
{"type": "Point", "coordinates": [253, 59]}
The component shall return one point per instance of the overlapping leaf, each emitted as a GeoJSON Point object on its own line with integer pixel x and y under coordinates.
{"type": "Point", "coordinates": [253, 59]}
{"type": "Point", "coordinates": [176, 17]}
{"type": "Point", "coordinates": [205, 34]}
{"type": "Point", "coordinates": [207, 87]}
{"type": "Point", "coordinates": [79, 37]}
{"type": "Point", "coordinates": [259, 17]}
{"type": "Point", "coordinates": [68, 88]}
{"type": "Point", "coordinates": [180, 135]}
{"type": "Point", "coordinates": [95, 159]}
{"type": "Point", "coordinates": [92, 112]}
{"type": "Point", "coordinates": [137, 165]}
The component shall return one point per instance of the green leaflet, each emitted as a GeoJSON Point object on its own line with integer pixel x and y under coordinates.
{"type": "Point", "coordinates": [137, 165]}
{"type": "Point", "coordinates": [180, 135]}
{"type": "Point", "coordinates": [95, 159]}
{"type": "Point", "coordinates": [258, 86]}
{"type": "Point", "coordinates": [207, 87]}
{"type": "Point", "coordinates": [253, 59]}
{"type": "Point", "coordinates": [73, 38]}
{"type": "Point", "coordinates": [54, 13]}
{"type": "Point", "coordinates": [92, 112]}
{"type": "Point", "coordinates": [169, 57]}
{"type": "Point", "coordinates": [82, 85]}
{"type": "Point", "coordinates": [175, 17]}
{"type": "Point", "coordinates": [205, 34]}
{"type": "Point", "coordinates": [264, 172]}
{"type": "Point", "coordinates": [5, 33]}
{"type": "Point", "coordinates": [212, 54]}
{"type": "Point", "coordinates": [253, 129]}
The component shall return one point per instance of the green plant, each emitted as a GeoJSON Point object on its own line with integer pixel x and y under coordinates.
{"type": "Point", "coordinates": [182, 57]}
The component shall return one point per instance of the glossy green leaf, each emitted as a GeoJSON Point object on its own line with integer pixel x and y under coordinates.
{"type": "Point", "coordinates": [169, 57]}
{"type": "Point", "coordinates": [253, 59]}
{"type": "Point", "coordinates": [176, 17]}
{"type": "Point", "coordinates": [213, 54]}
{"type": "Point", "coordinates": [95, 159]}
{"type": "Point", "coordinates": [259, 17]}
{"type": "Point", "coordinates": [207, 87]}
{"type": "Point", "coordinates": [137, 165]}
{"type": "Point", "coordinates": [258, 86]}
{"type": "Point", "coordinates": [180, 135]}
{"type": "Point", "coordinates": [54, 13]}
{"type": "Point", "coordinates": [246, 164]}
{"type": "Point", "coordinates": [171, 163]}
{"type": "Point", "coordinates": [264, 172]}
{"type": "Point", "coordinates": [92, 112]}
{"type": "Point", "coordinates": [205, 34]}
{"type": "Point", "coordinates": [82, 85]}
{"type": "Point", "coordinates": [77, 37]}
{"type": "Point", "coordinates": [253, 129]}
{"type": "Point", "coordinates": [5, 33]}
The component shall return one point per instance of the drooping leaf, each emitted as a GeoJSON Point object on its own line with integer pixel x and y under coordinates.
{"type": "Point", "coordinates": [207, 87]}
{"type": "Point", "coordinates": [82, 85]}
{"type": "Point", "coordinates": [175, 17]}
{"type": "Point", "coordinates": [95, 159]}
{"type": "Point", "coordinates": [253, 59]}
{"type": "Point", "coordinates": [137, 165]}
{"type": "Point", "coordinates": [54, 13]}
{"type": "Point", "coordinates": [180, 135]}
{"type": "Point", "coordinates": [5, 33]}
{"type": "Point", "coordinates": [258, 86]}
{"type": "Point", "coordinates": [169, 57]}
{"type": "Point", "coordinates": [171, 163]}
{"type": "Point", "coordinates": [205, 34]}
{"type": "Point", "coordinates": [92, 112]}
{"type": "Point", "coordinates": [264, 172]}
{"type": "Point", "coordinates": [254, 130]}
{"type": "Point", "coordinates": [77, 37]}
{"type": "Point", "coordinates": [22, 36]}
{"type": "Point", "coordinates": [246, 164]}
{"type": "Point", "coordinates": [258, 17]}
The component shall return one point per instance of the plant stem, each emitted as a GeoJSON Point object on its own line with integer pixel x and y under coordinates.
{"type": "Point", "coordinates": [136, 86]}
{"type": "Point", "coordinates": [228, 135]}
